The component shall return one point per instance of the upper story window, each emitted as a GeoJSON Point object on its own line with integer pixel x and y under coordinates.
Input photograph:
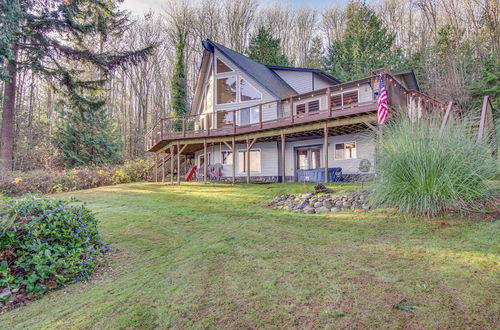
{"type": "Point", "coordinates": [312, 106]}
{"type": "Point", "coordinates": [344, 99]}
{"type": "Point", "coordinates": [221, 67]}
{"type": "Point", "coordinates": [231, 87]}
{"type": "Point", "coordinates": [248, 92]}
{"type": "Point", "coordinates": [226, 90]}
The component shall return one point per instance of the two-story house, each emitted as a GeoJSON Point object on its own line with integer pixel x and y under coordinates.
{"type": "Point", "coordinates": [252, 122]}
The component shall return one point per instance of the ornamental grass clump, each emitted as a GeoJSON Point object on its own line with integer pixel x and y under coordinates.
{"type": "Point", "coordinates": [423, 172]}
{"type": "Point", "coordinates": [44, 244]}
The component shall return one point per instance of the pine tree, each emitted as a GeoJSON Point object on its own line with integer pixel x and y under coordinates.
{"type": "Point", "coordinates": [50, 35]}
{"type": "Point", "coordinates": [487, 84]}
{"type": "Point", "coordinates": [314, 58]}
{"type": "Point", "coordinates": [87, 135]}
{"type": "Point", "coordinates": [179, 94]}
{"type": "Point", "coordinates": [365, 46]}
{"type": "Point", "coordinates": [265, 49]}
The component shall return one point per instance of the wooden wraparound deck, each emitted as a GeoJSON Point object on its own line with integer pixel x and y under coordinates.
{"type": "Point", "coordinates": [194, 131]}
{"type": "Point", "coordinates": [362, 114]}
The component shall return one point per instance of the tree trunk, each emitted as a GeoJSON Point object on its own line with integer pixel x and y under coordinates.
{"type": "Point", "coordinates": [8, 118]}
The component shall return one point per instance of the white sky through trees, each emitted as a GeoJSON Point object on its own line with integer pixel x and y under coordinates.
{"type": "Point", "coordinates": [139, 7]}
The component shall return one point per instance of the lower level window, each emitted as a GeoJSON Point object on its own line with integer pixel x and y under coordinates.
{"type": "Point", "coordinates": [227, 157]}
{"type": "Point", "coordinates": [345, 150]}
{"type": "Point", "coordinates": [254, 161]}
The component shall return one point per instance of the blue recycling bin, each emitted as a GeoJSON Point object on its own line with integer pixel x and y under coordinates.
{"type": "Point", "coordinates": [318, 175]}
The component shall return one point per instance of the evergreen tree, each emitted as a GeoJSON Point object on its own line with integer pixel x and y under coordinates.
{"type": "Point", "coordinates": [87, 135]}
{"type": "Point", "coordinates": [50, 35]}
{"type": "Point", "coordinates": [365, 46]}
{"type": "Point", "coordinates": [314, 58]}
{"type": "Point", "coordinates": [265, 49]}
{"type": "Point", "coordinates": [179, 94]}
{"type": "Point", "coordinates": [488, 84]}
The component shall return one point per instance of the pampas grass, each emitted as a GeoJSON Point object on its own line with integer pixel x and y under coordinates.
{"type": "Point", "coordinates": [419, 171]}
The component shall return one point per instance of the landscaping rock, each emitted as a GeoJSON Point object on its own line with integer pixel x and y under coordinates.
{"type": "Point", "coordinates": [309, 210]}
{"type": "Point", "coordinates": [322, 209]}
{"type": "Point", "coordinates": [309, 203]}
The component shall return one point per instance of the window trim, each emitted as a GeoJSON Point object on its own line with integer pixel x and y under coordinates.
{"type": "Point", "coordinates": [260, 165]}
{"type": "Point", "coordinates": [344, 142]}
{"type": "Point", "coordinates": [209, 156]}
{"type": "Point", "coordinates": [342, 97]}
{"type": "Point", "coordinates": [241, 77]}
{"type": "Point", "coordinates": [224, 62]}
{"type": "Point", "coordinates": [222, 158]}
{"type": "Point", "coordinates": [306, 106]}
{"type": "Point", "coordinates": [308, 148]}
{"type": "Point", "coordinates": [217, 89]}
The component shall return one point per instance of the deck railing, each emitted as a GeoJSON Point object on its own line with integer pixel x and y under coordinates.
{"type": "Point", "coordinates": [251, 118]}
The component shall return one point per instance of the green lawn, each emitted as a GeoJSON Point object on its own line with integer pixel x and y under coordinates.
{"type": "Point", "coordinates": [215, 256]}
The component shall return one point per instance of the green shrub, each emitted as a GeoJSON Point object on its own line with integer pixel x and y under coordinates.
{"type": "Point", "coordinates": [421, 172]}
{"type": "Point", "coordinates": [43, 182]}
{"type": "Point", "coordinates": [44, 243]}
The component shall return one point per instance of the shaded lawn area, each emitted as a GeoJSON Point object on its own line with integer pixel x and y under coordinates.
{"type": "Point", "coordinates": [215, 256]}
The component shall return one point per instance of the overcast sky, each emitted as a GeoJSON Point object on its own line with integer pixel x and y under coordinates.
{"type": "Point", "coordinates": [139, 7]}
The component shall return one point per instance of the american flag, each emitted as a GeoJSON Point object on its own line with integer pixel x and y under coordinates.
{"type": "Point", "coordinates": [382, 112]}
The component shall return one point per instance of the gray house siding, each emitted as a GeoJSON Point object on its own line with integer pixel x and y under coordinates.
{"type": "Point", "coordinates": [301, 81]}
{"type": "Point", "coordinates": [364, 150]}
{"type": "Point", "coordinates": [270, 154]}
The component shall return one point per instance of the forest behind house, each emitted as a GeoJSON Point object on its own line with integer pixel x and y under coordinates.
{"type": "Point", "coordinates": [452, 45]}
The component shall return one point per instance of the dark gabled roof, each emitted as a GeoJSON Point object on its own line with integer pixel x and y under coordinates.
{"type": "Point", "coordinates": [319, 72]}
{"type": "Point", "coordinates": [268, 79]}
{"type": "Point", "coordinates": [409, 78]}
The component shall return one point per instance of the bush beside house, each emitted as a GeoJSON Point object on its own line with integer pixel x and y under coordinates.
{"type": "Point", "coordinates": [44, 182]}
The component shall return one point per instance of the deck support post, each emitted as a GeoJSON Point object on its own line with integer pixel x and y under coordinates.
{"type": "Point", "coordinates": [172, 165]}
{"type": "Point", "coordinates": [233, 152]}
{"type": "Point", "coordinates": [249, 147]}
{"type": "Point", "coordinates": [163, 158]}
{"type": "Point", "coordinates": [247, 160]}
{"type": "Point", "coordinates": [283, 168]}
{"type": "Point", "coordinates": [205, 161]}
{"type": "Point", "coordinates": [178, 164]}
{"type": "Point", "coordinates": [156, 167]}
{"type": "Point", "coordinates": [179, 152]}
{"type": "Point", "coordinates": [325, 150]}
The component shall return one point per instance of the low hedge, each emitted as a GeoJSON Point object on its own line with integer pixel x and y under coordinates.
{"type": "Point", "coordinates": [47, 182]}
{"type": "Point", "coordinates": [44, 244]}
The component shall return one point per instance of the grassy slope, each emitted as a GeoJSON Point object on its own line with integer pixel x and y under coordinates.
{"type": "Point", "coordinates": [215, 256]}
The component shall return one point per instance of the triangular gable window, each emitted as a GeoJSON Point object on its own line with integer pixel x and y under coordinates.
{"type": "Point", "coordinates": [248, 92]}
{"type": "Point", "coordinates": [222, 67]}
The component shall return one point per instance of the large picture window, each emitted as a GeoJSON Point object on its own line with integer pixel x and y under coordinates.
{"type": "Point", "coordinates": [248, 92]}
{"type": "Point", "coordinates": [254, 161]}
{"type": "Point", "coordinates": [226, 90]}
{"type": "Point", "coordinates": [345, 150]}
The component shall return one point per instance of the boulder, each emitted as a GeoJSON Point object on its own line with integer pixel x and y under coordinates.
{"type": "Point", "coordinates": [309, 210]}
{"type": "Point", "coordinates": [322, 209]}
